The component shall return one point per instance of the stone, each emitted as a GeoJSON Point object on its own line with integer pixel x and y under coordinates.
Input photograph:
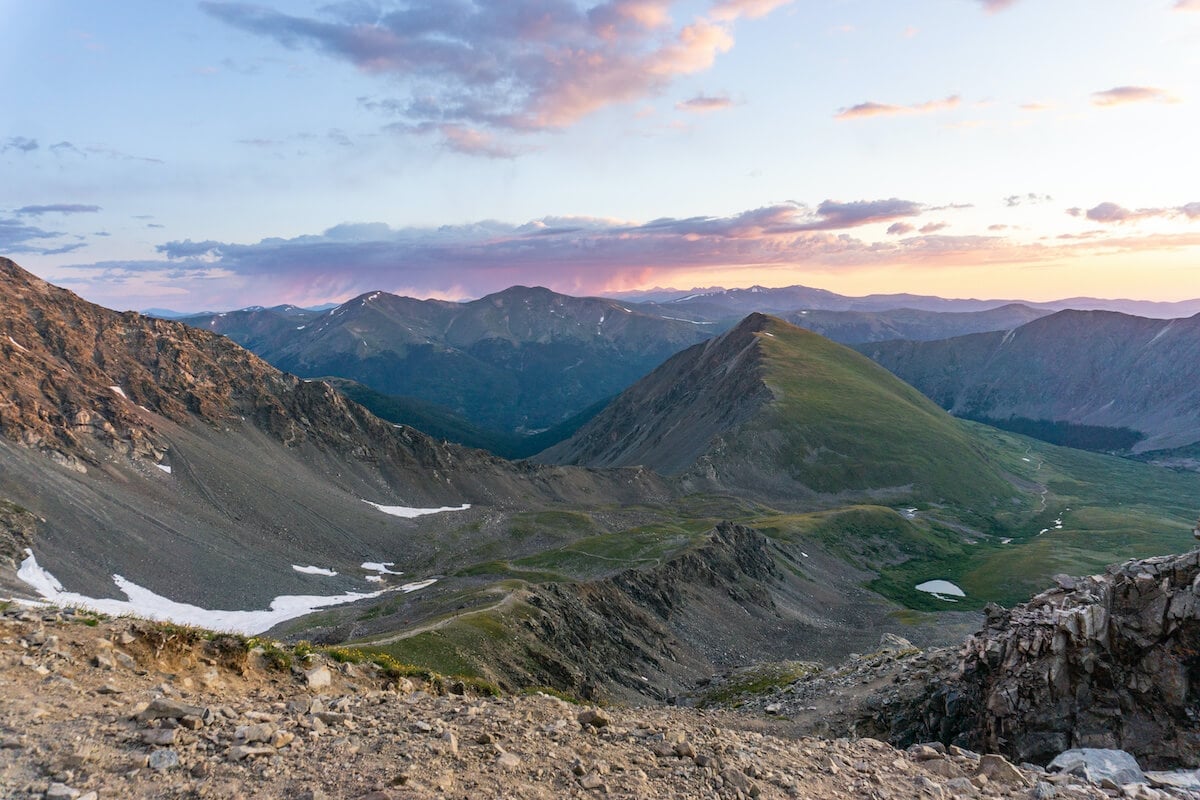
{"type": "Point", "coordinates": [1042, 791]}
{"type": "Point", "coordinates": [281, 738]}
{"type": "Point", "coordinates": [258, 732]}
{"type": "Point", "coordinates": [591, 781]}
{"type": "Point", "coordinates": [998, 769]}
{"type": "Point", "coordinates": [593, 717]}
{"type": "Point", "coordinates": [1097, 764]}
{"type": "Point", "coordinates": [508, 761]}
{"type": "Point", "coordinates": [165, 708]}
{"type": "Point", "coordinates": [163, 759]}
{"type": "Point", "coordinates": [318, 677]}
{"type": "Point", "coordinates": [240, 752]}
{"type": "Point", "coordinates": [60, 791]}
{"type": "Point", "coordinates": [961, 787]}
{"type": "Point", "coordinates": [942, 767]}
{"type": "Point", "coordinates": [159, 736]}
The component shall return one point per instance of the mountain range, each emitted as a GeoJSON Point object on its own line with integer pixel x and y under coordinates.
{"type": "Point", "coordinates": [713, 304]}
{"type": "Point", "coordinates": [1095, 379]}
{"type": "Point", "coordinates": [523, 359]}
{"type": "Point", "coordinates": [783, 494]}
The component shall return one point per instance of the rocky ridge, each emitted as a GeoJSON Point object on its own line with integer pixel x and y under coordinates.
{"type": "Point", "coordinates": [104, 709]}
{"type": "Point", "coordinates": [1107, 661]}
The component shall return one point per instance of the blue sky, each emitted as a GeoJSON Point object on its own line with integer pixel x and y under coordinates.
{"type": "Point", "coordinates": [214, 155]}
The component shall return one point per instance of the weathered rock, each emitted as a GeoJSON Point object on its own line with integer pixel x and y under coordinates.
{"type": "Point", "coordinates": [241, 752]}
{"type": "Point", "coordinates": [60, 791]}
{"type": "Point", "coordinates": [163, 759]}
{"type": "Point", "coordinates": [1100, 662]}
{"type": "Point", "coordinates": [1096, 765]}
{"type": "Point", "coordinates": [318, 677]}
{"type": "Point", "coordinates": [165, 708]}
{"type": "Point", "coordinates": [999, 770]}
{"type": "Point", "coordinates": [594, 717]}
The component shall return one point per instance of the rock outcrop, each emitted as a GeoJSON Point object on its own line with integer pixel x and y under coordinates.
{"type": "Point", "coordinates": [1108, 661]}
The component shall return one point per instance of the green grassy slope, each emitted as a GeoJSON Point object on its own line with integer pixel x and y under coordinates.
{"type": "Point", "coordinates": [843, 423]}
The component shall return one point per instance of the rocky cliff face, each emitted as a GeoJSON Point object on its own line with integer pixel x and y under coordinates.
{"type": "Point", "coordinates": [1108, 661]}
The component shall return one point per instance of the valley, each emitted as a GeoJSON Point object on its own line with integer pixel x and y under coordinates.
{"type": "Point", "coordinates": [764, 495]}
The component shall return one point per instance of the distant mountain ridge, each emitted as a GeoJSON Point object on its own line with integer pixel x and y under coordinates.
{"type": "Point", "coordinates": [522, 359]}
{"type": "Point", "coordinates": [714, 303]}
{"type": "Point", "coordinates": [1136, 378]}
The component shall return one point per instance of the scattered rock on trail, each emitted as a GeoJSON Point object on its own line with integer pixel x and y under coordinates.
{"type": "Point", "coordinates": [265, 733]}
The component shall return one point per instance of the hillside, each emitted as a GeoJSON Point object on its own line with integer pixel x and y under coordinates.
{"type": "Point", "coordinates": [771, 411]}
{"type": "Point", "coordinates": [522, 359]}
{"type": "Point", "coordinates": [1094, 379]}
{"type": "Point", "coordinates": [146, 453]}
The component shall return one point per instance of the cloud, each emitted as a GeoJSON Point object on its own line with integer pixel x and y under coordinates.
{"type": "Point", "coordinates": [1124, 95]}
{"type": "Point", "coordinates": [834, 215]}
{"type": "Point", "coordinates": [513, 67]}
{"type": "Point", "coordinates": [900, 229]}
{"type": "Point", "coordinates": [17, 237]}
{"type": "Point", "coordinates": [474, 142]}
{"type": "Point", "coordinates": [66, 147]}
{"type": "Point", "coordinates": [702, 103]}
{"type": "Point", "coordinates": [1113, 214]}
{"type": "Point", "coordinates": [992, 6]}
{"type": "Point", "coordinates": [56, 208]}
{"type": "Point", "coordinates": [1187, 5]}
{"type": "Point", "coordinates": [933, 227]}
{"type": "Point", "coordinates": [873, 109]}
{"type": "Point", "coordinates": [1029, 198]}
{"type": "Point", "coordinates": [21, 144]}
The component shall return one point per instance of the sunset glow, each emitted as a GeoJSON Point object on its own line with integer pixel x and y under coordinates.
{"type": "Point", "coordinates": [214, 155]}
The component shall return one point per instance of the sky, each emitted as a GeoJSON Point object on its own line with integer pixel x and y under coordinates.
{"type": "Point", "coordinates": [213, 155]}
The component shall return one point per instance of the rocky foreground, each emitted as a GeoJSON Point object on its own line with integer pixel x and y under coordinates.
{"type": "Point", "coordinates": [124, 709]}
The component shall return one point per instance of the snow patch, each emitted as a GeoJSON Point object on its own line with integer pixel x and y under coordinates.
{"type": "Point", "coordinates": [373, 578]}
{"type": "Point", "coordinates": [23, 350]}
{"type": "Point", "coordinates": [1160, 334]}
{"type": "Point", "coordinates": [164, 467]}
{"type": "Point", "coordinates": [144, 603]}
{"type": "Point", "coordinates": [768, 333]}
{"type": "Point", "coordinates": [689, 321]}
{"type": "Point", "coordinates": [119, 390]}
{"type": "Point", "coordinates": [301, 327]}
{"type": "Point", "coordinates": [412, 587]}
{"type": "Point", "coordinates": [311, 570]}
{"type": "Point", "coordinates": [942, 590]}
{"type": "Point", "coordinates": [381, 567]}
{"type": "Point", "coordinates": [409, 513]}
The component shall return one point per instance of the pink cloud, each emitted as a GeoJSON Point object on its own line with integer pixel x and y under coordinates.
{"type": "Point", "coordinates": [1113, 214]}
{"type": "Point", "coordinates": [899, 229]}
{"type": "Point", "coordinates": [506, 68]}
{"type": "Point", "coordinates": [729, 10]}
{"type": "Point", "coordinates": [474, 142]}
{"type": "Point", "coordinates": [1124, 95]}
{"type": "Point", "coordinates": [934, 227]}
{"type": "Point", "coordinates": [1187, 5]}
{"type": "Point", "coordinates": [702, 103]}
{"type": "Point", "coordinates": [992, 6]}
{"type": "Point", "coordinates": [873, 109]}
